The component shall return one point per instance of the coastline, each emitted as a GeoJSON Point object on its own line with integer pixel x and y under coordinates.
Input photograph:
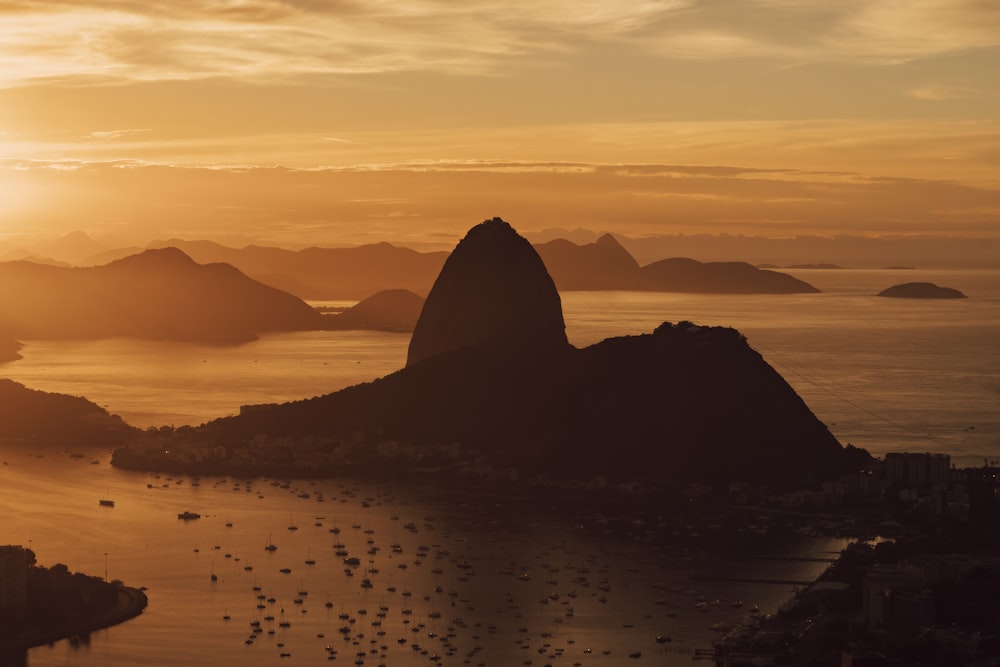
{"type": "Point", "coordinates": [130, 603]}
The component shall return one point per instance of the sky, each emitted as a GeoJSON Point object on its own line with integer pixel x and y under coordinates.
{"type": "Point", "coordinates": [336, 122]}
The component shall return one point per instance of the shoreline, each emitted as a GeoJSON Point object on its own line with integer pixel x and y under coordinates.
{"type": "Point", "coordinates": [131, 603]}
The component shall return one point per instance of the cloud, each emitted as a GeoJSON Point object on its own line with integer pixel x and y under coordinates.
{"type": "Point", "coordinates": [254, 39]}
{"type": "Point", "coordinates": [115, 40]}
{"type": "Point", "coordinates": [903, 30]}
{"type": "Point", "coordinates": [115, 134]}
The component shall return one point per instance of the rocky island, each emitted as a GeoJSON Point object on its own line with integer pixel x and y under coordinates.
{"type": "Point", "coordinates": [493, 389]}
{"type": "Point", "coordinates": [921, 290]}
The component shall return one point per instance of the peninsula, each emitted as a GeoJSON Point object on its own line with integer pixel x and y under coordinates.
{"type": "Point", "coordinates": [493, 389]}
{"type": "Point", "coordinates": [49, 604]}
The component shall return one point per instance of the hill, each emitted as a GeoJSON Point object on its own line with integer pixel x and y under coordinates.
{"type": "Point", "coordinates": [684, 403]}
{"type": "Point", "coordinates": [157, 294]}
{"type": "Point", "coordinates": [355, 273]}
{"type": "Point", "coordinates": [38, 417]}
{"type": "Point", "coordinates": [606, 265]}
{"type": "Point", "coordinates": [325, 273]}
{"type": "Point", "coordinates": [395, 310]}
{"type": "Point", "coordinates": [921, 291]}
{"type": "Point", "coordinates": [688, 275]}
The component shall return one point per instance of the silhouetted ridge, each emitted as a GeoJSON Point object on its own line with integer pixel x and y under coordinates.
{"type": "Point", "coordinates": [157, 294]}
{"type": "Point", "coordinates": [492, 382]}
{"type": "Point", "coordinates": [921, 291]}
{"type": "Point", "coordinates": [39, 417]}
{"type": "Point", "coordinates": [493, 290]}
{"type": "Point", "coordinates": [602, 265]}
{"type": "Point", "coordinates": [388, 310]}
{"type": "Point", "coordinates": [681, 274]}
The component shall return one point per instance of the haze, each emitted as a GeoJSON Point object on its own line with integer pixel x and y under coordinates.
{"type": "Point", "coordinates": [310, 123]}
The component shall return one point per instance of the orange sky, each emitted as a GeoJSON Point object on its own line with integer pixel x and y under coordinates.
{"type": "Point", "coordinates": [323, 122]}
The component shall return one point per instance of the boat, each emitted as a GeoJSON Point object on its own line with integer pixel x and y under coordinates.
{"type": "Point", "coordinates": [188, 516]}
{"type": "Point", "coordinates": [270, 546]}
{"type": "Point", "coordinates": [104, 502]}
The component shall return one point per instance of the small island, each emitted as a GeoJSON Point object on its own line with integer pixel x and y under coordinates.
{"type": "Point", "coordinates": [52, 603]}
{"type": "Point", "coordinates": [921, 291]}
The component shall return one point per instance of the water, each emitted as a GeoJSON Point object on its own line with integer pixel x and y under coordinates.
{"type": "Point", "coordinates": [545, 579]}
{"type": "Point", "coordinates": [884, 374]}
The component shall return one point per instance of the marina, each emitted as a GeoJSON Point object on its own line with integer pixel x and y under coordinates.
{"type": "Point", "coordinates": [429, 576]}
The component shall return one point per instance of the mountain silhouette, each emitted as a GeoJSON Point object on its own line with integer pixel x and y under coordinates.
{"type": "Point", "coordinates": [688, 275]}
{"type": "Point", "coordinates": [38, 417]}
{"type": "Point", "coordinates": [602, 265]}
{"type": "Point", "coordinates": [325, 273]}
{"type": "Point", "coordinates": [358, 272]}
{"type": "Point", "coordinates": [493, 290]}
{"type": "Point", "coordinates": [921, 291]}
{"type": "Point", "coordinates": [157, 294]}
{"type": "Point", "coordinates": [389, 310]}
{"type": "Point", "coordinates": [683, 403]}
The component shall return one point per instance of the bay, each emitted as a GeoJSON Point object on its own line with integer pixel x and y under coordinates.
{"type": "Point", "coordinates": [884, 374]}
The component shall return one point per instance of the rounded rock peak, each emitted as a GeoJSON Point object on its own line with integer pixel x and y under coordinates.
{"type": "Point", "coordinates": [493, 290]}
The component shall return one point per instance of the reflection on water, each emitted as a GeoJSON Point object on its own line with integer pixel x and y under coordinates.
{"type": "Point", "coordinates": [485, 580]}
{"type": "Point", "coordinates": [493, 579]}
{"type": "Point", "coordinates": [884, 374]}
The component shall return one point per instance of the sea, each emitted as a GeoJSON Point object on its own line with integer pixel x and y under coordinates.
{"type": "Point", "coordinates": [483, 579]}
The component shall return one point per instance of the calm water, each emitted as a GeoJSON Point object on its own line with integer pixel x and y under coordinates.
{"type": "Point", "coordinates": [499, 580]}
{"type": "Point", "coordinates": [884, 374]}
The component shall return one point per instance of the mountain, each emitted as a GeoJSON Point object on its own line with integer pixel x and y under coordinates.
{"type": "Point", "coordinates": [607, 265]}
{"type": "Point", "coordinates": [688, 275]}
{"type": "Point", "coordinates": [602, 265]}
{"type": "Point", "coordinates": [921, 291]}
{"type": "Point", "coordinates": [157, 294]}
{"type": "Point", "coordinates": [325, 273]}
{"type": "Point", "coordinates": [389, 310]}
{"type": "Point", "coordinates": [355, 273]}
{"type": "Point", "coordinates": [39, 417]}
{"type": "Point", "coordinates": [681, 404]}
{"type": "Point", "coordinates": [493, 290]}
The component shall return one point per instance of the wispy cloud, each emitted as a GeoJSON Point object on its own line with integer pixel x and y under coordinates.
{"type": "Point", "coordinates": [189, 39]}
{"type": "Point", "coordinates": [114, 40]}
{"type": "Point", "coordinates": [115, 134]}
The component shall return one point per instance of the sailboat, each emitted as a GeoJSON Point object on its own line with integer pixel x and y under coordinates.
{"type": "Point", "coordinates": [270, 546]}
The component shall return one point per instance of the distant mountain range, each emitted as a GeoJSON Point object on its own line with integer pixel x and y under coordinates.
{"type": "Point", "coordinates": [157, 294]}
{"type": "Point", "coordinates": [359, 272]}
{"type": "Point", "coordinates": [200, 291]}
{"type": "Point", "coordinates": [491, 378]}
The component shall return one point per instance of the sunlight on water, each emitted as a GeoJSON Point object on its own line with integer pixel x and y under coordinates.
{"type": "Point", "coordinates": [500, 577]}
{"type": "Point", "coordinates": [885, 374]}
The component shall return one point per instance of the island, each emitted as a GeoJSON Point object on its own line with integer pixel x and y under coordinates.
{"type": "Point", "coordinates": [921, 290]}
